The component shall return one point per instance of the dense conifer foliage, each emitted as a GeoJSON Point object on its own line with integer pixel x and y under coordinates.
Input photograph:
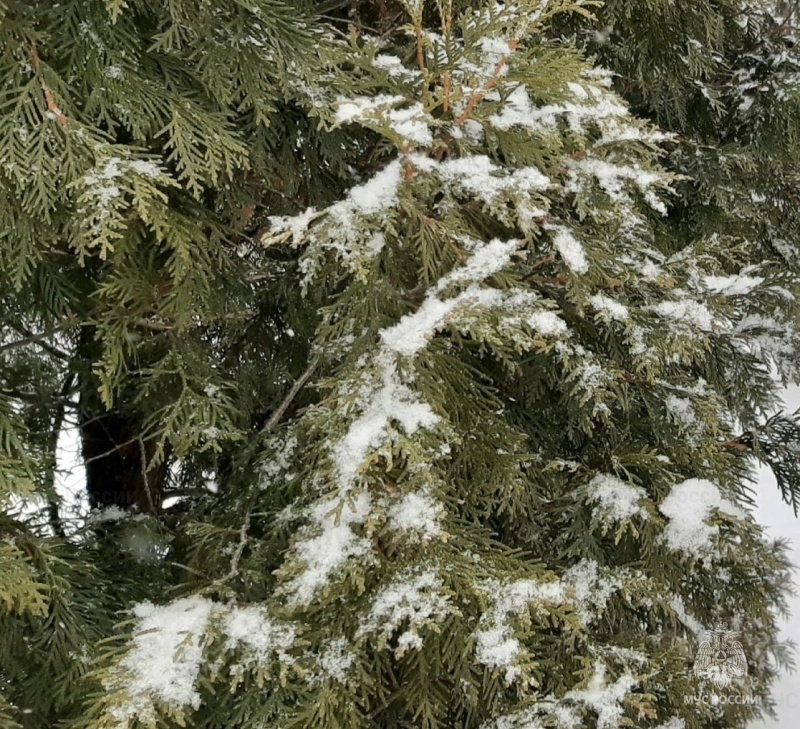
{"type": "Point", "coordinates": [420, 354]}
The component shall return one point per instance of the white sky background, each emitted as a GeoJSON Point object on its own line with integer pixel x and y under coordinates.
{"type": "Point", "coordinates": [781, 522]}
{"type": "Point", "coordinates": [70, 480]}
{"type": "Point", "coordinates": [770, 511]}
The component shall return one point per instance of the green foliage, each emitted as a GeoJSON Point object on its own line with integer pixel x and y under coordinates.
{"type": "Point", "coordinates": [452, 317]}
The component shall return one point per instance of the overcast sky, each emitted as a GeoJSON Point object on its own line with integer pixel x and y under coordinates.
{"type": "Point", "coordinates": [781, 522]}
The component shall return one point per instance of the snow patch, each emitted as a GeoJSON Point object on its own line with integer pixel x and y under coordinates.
{"type": "Point", "coordinates": [418, 512]}
{"type": "Point", "coordinates": [413, 331]}
{"type": "Point", "coordinates": [738, 285]}
{"type": "Point", "coordinates": [391, 401]}
{"type": "Point", "coordinates": [251, 626]}
{"type": "Point", "coordinates": [617, 500]}
{"type": "Point", "coordinates": [570, 248]}
{"type": "Point", "coordinates": [378, 193]}
{"type": "Point", "coordinates": [604, 698]}
{"type": "Point", "coordinates": [546, 323]}
{"type": "Point", "coordinates": [686, 310]}
{"type": "Point", "coordinates": [688, 506]}
{"type": "Point", "coordinates": [610, 307]}
{"type": "Point", "coordinates": [682, 409]}
{"type": "Point", "coordinates": [496, 647]}
{"type": "Point", "coordinates": [165, 657]}
{"type": "Point", "coordinates": [330, 549]}
{"type": "Point", "coordinates": [588, 590]}
{"type": "Point", "coordinates": [336, 659]}
{"type": "Point", "coordinates": [411, 601]}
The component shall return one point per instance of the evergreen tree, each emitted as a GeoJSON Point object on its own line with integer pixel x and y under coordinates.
{"type": "Point", "coordinates": [476, 339]}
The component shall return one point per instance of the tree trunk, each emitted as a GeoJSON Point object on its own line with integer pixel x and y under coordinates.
{"type": "Point", "coordinates": [119, 462]}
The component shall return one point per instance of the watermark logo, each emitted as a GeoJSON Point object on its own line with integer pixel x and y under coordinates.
{"type": "Point", "coordinates": [721, 659]}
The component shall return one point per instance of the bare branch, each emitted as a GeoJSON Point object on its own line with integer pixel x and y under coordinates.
{"type": "Point", "coordinates": [237, 555]}
{"type": "Point", "coordinates": [281, 409]}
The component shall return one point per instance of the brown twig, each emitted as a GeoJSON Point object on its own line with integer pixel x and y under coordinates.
{"type": "Point", "coordinates": [459, 253]}
{"type": "Point", "coordinates": [447, 31]}
{"type": "Point", "coordinates": [48, 94]}
{"type": "Point", "coordinates": [558, 280]}
{"type": "Point", "coordinates": [734, 445]}
{"type": "Point", "coordinates": [550, 258]}
{"type": "Point", "coordinates": [420, 49]}
{"type": "Point", "coordinates": [478, 96]}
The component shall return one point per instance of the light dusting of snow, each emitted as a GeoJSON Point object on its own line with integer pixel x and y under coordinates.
{"type": "Point", "coordinates": [687, 310]}
{"type": "Point", "coordinates": [418, 512]}
{"type": "Point", "coordinates": [341, 227]}
{"type": "Point", "coordinates": [578, 91]}
{"type": "Point", "coordinates": [496, 647]}
{"type": "Point", "coordinates": [413, 331]}
{"type": "Point", "coordinates": [412, 601]}
{"type": "Point", "coordinates": [494, 50]}
{"type": "Point", "coordinates": [281, 450]}
{"type": "Point", "coordinates": [379, 193]}
{"type": "Point", "coordinates": [688, 620]}
{"type": "Point", "coordinates": [520, 111]}
{"type": "Point", "coordinates": [486, 260]}
{"type": "Point", "coordinates": [335, 660]}
{"type": "Point", "coordinates": [410, 122]}
{"type": "Point", "coordinates": [251, 626]}
{"type": "Point", "coordinates": [101, 187]}
{"type": "Point", "coordinates": [393, 66]}
{"type": "Point", "coordinates": [165, 656]}
{"type": "Point", "coordinates": [376, 243]}
{"type": "Point", "coordinates": [359, 107]}
{"type": "Point", "coordinates": [392, 401]}
{"type": "Point", "coordinates": [385, 400]}
{"type": "Point", "coordinates": [473, 131]}
{"type": "Point", "coordinates": [588, 590]}
{"type": "Point", "coordinates": [605, 699]}
{"type": "Point", "coordinates": [547, 323]}
{"type": "Point", "coordinates": [295, 225]}
{"type": "Point", "coordinates": [109, 513]}
{"type": "Point", "coordinates": [479, 176]}
{"type": "Point", "coordinates": [675, 722]}
{"type": "Point", "coordinates": [611, 177]}
{"type": "Point", "coordinates": [682, 409]}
